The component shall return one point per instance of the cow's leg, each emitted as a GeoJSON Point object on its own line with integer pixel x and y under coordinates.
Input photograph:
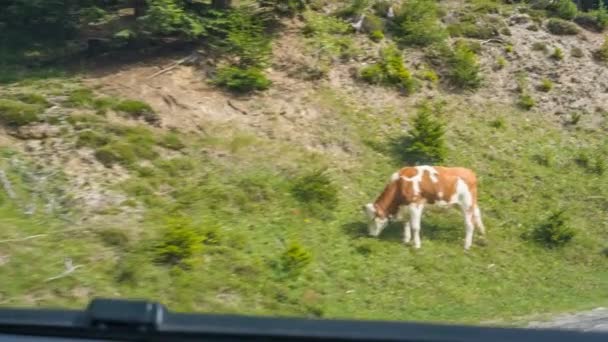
{"type": "Point", "coordinates": [415, 218]}
{"type": "Point", "coordinates": [478, 222]}
{"type": "Point", "coordinates": [467, 212]}
{"type": "Point", "coordinates": [407, 232]}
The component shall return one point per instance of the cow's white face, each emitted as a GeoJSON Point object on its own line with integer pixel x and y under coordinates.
{"type": "Point", "coordinates": [376, 224]}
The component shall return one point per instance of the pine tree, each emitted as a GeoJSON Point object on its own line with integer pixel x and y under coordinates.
{"type": "Point", "coordinates": [427, 141]}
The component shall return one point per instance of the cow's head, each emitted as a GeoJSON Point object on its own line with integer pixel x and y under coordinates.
{"type": "Point", "coordinates": [376, 222]}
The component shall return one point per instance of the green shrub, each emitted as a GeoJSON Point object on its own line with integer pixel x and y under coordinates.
{"type": "Point", "coordinates": [498, 123]}
{"type": "Point", "coordinates": [577, 52]}
{"type": "Point", "coordinates": [592, 162]}
{"type": "Point", "coordinates": [172, 141]}
{"type": "Point", "coordinates": [353, 8]}
{"type": "Point", "coordinates": [283, 7]}
{"type": "Point", "coordinates": [81, 98]}
{"type": "Point", "coordinates": [565, 9]}
{"type": "Point", "coordinates": [554, 231]}
{"type": "Point", "coordinates": [170, 17]}
{"type": "Point", "coordinates": [137, 109]}
{"type": "Point", "coordinates": [601, 54]}
{"type": "Point", "coordinates": [390, 70]}
{"type": "Point", "coordinates": [241, 80]}
{"type": "Point", "coordinates": [429, 75]}
{"type": "Point", "coordinates": [540, 46]}
{"type": "Point", "coordinates": [33, 99]}
{"type": "Point", "coordinates": [526, 101]}
{"type": "Point", "coordinates": [557, 54]}
{"type": "Point", "coordinates": [561, 27]}
{"type": "Point", "coordinates": [328, 36]}
{"type": "Point", "coordinates": [116, 153]}
{"type": "Point", "coordinates": [372, 23]}
{"type": "Point", "coordinates": [113, 237]}
{"type": "Point", "coordinates": [16, 113]}
{"type": "Point", "coordinates": [427, 137]}
{"type": "Point", "coordinates": [179, 243]}
{"type": "Point", "coordinates": [509, 48]}
{"type": "Point", "coordinates": [545, 85]}
{"type": "Point", "coordinates": [246, 39]}
{"type": "Point", "coordinates": [316, 189]}
{"type": "Point", "coordinates": [92, 139]}
{"type": "Point", "coordinates": [417, 23]}
{"type": "Point", "coordinates": [376, 36]}
{"type": "Point", "coordinates": [596, 21]}
{"type": "Point", "coordinates": [463, 68]}
{"type": "Point", "coordinates": [473, 30]}
{"type": "Point", "coordinates": [294, 259]}
{"type": "Point", "coordinates": [501, 63]}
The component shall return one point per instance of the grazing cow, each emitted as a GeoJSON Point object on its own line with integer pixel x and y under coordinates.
{"type": "Point", "coordinates": [411, 188]}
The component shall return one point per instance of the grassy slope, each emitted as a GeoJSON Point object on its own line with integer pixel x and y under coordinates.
{"type": "Point", "coordinates": [244, 198]}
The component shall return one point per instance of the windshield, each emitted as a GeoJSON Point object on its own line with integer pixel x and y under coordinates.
{"type": "Point", "coordinates": [415, 160]}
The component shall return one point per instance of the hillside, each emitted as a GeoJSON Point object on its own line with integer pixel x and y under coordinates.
{"type": "Point", "coordinates": [158, 180]}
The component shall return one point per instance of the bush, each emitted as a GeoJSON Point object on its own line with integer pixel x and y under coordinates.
{"type": "Point", "coordinates": [561, 27]}
{"type": "Point", "coordinates": [601, 54]}
{"type": "Point", "coordinates": [557, 54]}
{"type": "Point", "coordinates": [92, 139]}
{"type": "Point", "coordinates": [180, 241]}
{"type": "Point", "coordinates": [473, 30]}
{"type": "Point", "coordinates": [241, 80]}
{"type": "Point", "coordinates": [501, 63]}
{"type": "Point", "coordinates": [545, 85]}
{"type": "Point", "coordinates": [554, 231]}
{"type": "Point", "coordinates": [390, 70]}
{"type": "Point", "coordinates": [540, 46]}
{"type": "Point", "coordinates": [116, 153]}
{"type": "Point", "coordinates": [113, 237]}
{"type": "Point", "coordinates": [81, 98]}
{"type": "Point", "coordinates": [565, 9]}
{"type": "Point", "coordinates": [417, 23]}
{"type": "Point", "coordinates": [33, 99]}
{"type": "Point", "coordinates": [168, 17]}
{"type": "Point", "coordinates": [354, 8]}
{"type": "Point", "coordinates": [376, 36]}
{"type": "Point", "coordinates": [594, 20]}
{"type": "Point", "coordinates": [429, 75]}
{"type": "Point", "coordinates": [294, 259]}
{"type": "Point", "coordinates": [328, 36]}
{"type": "Point", "coordinates": [137, 109]}
{"type": "Point", "coordinates": [247, 39]}
{"type": "Point", "coordinates": [426, 139]}
{"type": "Point", "coordinates": [16, 113]}
{"type": "Point", "coordinates": [372, 23]}
{"type": "Point", "coordinates": [172, 141]}
{"type": "Point", "coordinates": [283, 7]}
{"type": "Point", "coordinates": [464, 68]}
{"type": "Point", "coordinates": [577, 52]}
{"type": "Point", "coordinates": [526, 101]}
{"type": "Point", "coordinates": [316, 189]}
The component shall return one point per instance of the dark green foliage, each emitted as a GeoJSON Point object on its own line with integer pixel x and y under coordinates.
{"type": "Point", "coordinates": [554, 232]}
{"type": "Point", "coordinates": [463, 68]}
{"type": "Point", "coordinates": [594, 20]}
{"type": "Point", "coordinates": [557, 54]}
{"type": "Point", "coordinates": [561, 27]}
{"type": "Point", "coordinates": [427, 137]}
{"type": "Point", "coordinates": [179, 243]}
{"type": "Point", "coordinates": [17, 113]}
{"type": "Point", "coordinates": [294, 259]}
{"type": "Point", "coordinates": [316, 189]}
{"type": "Point", "coordinates": [353, 8]}
{"type": "Point", "coordinates": [33, 99]}
{"type": "Point", "coordinates": [241, 80]}
{"type": "Point", "coordinates": [390, 70]}
{"type": "Point", "coordinates": [116, 153]}
{"type": "Point", "coordinates": [137, 109]}
{"type": "Point", "coordinates": [526, 101]}
{"type": "Point", "coordinates": [473, 30]}
{"type": "Point", "coordinates": [169, 17]}
{"type": "Point", "coordinates": [246, 38]}
{"type": "Point", "coordinates": [417, 23]}
{"type": "Point", "coordinates": [113, 237]}
{"type": "Point", "coordinates": [47, 18]}
{"type": "Point", "coordinates": [601, 54]}
{"type": "Point", "coordinates": [565, 9]}
{"type": "Point", "coordinates": [172, 141]}
{"type": "Point", "coordinates": [92, 139]}
{"type": "Point", "coordinates": [284, 7]}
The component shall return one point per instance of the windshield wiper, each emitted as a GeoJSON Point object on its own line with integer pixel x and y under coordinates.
{"type": "Point", "coordinates": [133, 320]}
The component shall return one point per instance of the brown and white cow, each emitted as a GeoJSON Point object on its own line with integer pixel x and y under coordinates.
{"type": "Point", "coordinates": [411, 188]}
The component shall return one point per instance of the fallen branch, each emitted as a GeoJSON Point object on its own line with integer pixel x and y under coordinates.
{"type": "Point", "coordinates": [493, 40]}
{"type": "Point", "coordinates": [190, 58]}
{"type": "Point", "coordinates": [37, 235]}
{"type": "Point", "coordinates": [233, 106]}
{"type": "Point", "coordinates": [69, 269]}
